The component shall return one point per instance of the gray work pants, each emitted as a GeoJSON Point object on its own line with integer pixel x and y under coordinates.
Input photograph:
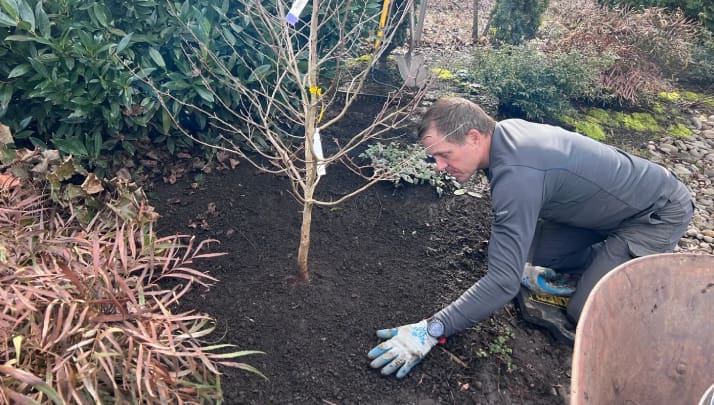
{"type": "Point", "coordinates": [592, 254]}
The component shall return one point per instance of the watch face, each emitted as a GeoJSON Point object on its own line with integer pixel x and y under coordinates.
{"type": "Point", "coordinates": [435, 328]}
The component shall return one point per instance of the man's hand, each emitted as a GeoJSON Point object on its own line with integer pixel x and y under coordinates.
{"type": "Point", "coordinates": [406, 346]}
{"type": "Point", "coordinates": [545, 281]}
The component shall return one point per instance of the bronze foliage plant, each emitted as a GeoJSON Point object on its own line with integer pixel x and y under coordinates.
{"type": "Point", "coordinates": [649, 47]}
{"type": "Point", "coordinates": [86, 308]}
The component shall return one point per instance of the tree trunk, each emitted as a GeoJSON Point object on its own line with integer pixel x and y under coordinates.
{"type": "Point", "coordinates": [304, 248]}
{"type": "Point", "coordinates": [311, 177]}
{"type": "Point", "coordinates": [474, 30]}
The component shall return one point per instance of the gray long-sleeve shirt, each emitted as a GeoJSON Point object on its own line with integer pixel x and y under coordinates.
{"type": "Point", "coordinates": [541, 171]}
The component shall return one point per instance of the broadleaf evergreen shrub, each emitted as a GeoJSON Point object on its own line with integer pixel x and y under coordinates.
{"type": "Point", "coordinates": [67, 89]}
{"type": "Point", "coordinates": [64, 82]}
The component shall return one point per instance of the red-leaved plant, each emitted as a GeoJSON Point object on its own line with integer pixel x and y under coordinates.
{"type": "Point", "coordinates": [648, 46]}
{"type": "Point", "coordinates": [85, 311]}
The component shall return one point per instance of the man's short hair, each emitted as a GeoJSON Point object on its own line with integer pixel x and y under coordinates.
{"type": "Point", "coordinates": [454, 117]}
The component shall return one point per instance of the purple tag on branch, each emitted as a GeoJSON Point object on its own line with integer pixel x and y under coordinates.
{"type": "Point", "coordinates": [295, 10]}
{"type": "Point", "coordinates": [291, 19]}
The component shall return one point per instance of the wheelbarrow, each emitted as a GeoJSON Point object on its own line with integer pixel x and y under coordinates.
{"type": "Point", "coordinates": [646, 334]}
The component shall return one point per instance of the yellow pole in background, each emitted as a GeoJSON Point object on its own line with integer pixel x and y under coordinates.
{"type": "Point", "coordinates": [382, 23]}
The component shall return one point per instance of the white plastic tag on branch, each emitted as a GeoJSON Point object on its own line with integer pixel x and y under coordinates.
{"type": "Point", "coordinates": [317, 151]}
{"type": "Point", "coordinates": [295, 10]}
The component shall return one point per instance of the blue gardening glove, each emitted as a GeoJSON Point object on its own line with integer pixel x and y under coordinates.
{"type": "Point", "coordinates": [545, 281]}
{"type": "Point", "coordinates": [406, 346]}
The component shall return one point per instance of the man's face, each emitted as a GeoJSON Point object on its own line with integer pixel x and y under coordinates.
{"type": "Point", "coordinates": [459, 160]}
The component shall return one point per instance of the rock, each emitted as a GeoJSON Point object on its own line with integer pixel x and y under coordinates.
{"type": "Point", "coordinates": [681, 171]}
{"type": "Point", "coordinates": [692, 160]}
{"type": "Point", "coordinates": [697, 122]}
{"type": "Point", "coordinates": [698, 153]}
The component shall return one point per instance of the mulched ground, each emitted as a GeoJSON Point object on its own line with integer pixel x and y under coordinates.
{"type": "Point", "coordinates": [387, 257]}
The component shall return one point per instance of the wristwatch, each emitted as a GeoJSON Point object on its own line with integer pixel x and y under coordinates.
{"type": "Point", "coordinates": [435, 328]}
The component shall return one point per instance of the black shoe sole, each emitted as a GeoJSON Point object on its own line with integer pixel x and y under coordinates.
{"type": "Point", "coordinates": [547, 312]}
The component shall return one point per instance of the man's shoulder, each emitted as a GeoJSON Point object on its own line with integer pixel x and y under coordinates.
{"type": "Point", "coordinates": [517, 126]}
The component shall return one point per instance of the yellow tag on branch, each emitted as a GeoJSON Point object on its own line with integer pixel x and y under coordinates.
{"type": "Point", "coordinates": [316, 90]}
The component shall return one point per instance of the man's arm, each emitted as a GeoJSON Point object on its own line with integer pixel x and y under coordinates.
{"type": "Point", "coordinates": [517, 195]}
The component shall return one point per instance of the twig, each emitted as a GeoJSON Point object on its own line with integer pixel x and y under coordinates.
{"type": "Point", "coordinates": [455, 358]}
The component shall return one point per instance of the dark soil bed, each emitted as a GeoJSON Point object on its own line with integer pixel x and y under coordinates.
{"type": "Point", "coordinates": [388, 257]}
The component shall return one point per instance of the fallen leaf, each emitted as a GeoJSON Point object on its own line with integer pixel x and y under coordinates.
{"type": "Point", "coordinates": [8, 181]}
{"type": "Point", "coordinates": [92, 184]}
{"type": "Point", "coordinates": [5, 135]}
{"type": "Point", "coordinates": [460, 191]}
{"type": "Point", "coordinates": [124, 174]}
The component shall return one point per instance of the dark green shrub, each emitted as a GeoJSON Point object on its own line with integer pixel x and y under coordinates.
{"type": "Point", "coordinates": [516, 21]}
{"type": "Point", "coordinates": [701, 70]}
{"type": "Point", "coordinates": [535, 85]}
{"type": "Point", "coordinates": [64, 86]}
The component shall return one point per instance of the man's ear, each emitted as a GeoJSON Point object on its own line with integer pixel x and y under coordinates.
{"type": "Point", "coordinates": [474, 136]}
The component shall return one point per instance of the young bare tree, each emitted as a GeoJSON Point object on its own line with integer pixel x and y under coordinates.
{"type": "Point", "coordinates": [308, 80]}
